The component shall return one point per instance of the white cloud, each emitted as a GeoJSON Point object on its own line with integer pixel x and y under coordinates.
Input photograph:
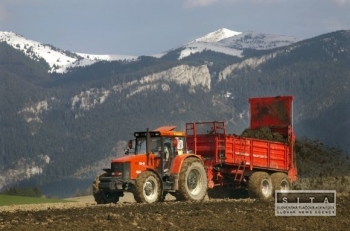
{"type": "Point", "coordinates": [200, 3]}
{"type": "Point", "coordinates": [4, 13]}
{"type": "Point", "coordinates": [265, 1]}
{"type": "Point", "coordinates": [195, 3]}
{"type": "Point", "coordinates": [342, 2]}
{"type": "Point", "coordinates": [339, 2]}
{"type": "Point", "coordinates": [203, 3]}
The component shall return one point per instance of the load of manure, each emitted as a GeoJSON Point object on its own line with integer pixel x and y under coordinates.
{"type": "Point", "coordinates": [264, 133]}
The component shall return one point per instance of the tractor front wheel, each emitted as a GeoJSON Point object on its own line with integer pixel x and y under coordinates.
{"type": "Point", "coordinates": [148, 188]}
{"type": "Point", "coordinates": [101, 196]}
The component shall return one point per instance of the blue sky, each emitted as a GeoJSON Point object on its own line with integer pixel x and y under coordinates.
{"type": "Point", "coordinates": [145, 27]}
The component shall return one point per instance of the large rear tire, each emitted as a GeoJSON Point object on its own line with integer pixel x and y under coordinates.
{"type": "Point", "coordinates": [148, 188]}
{"type": "Point", "coordinates": [103, 197]}
{"type": "Point", "coordinates": [193, 181]}
{"type": "Point", "coordinates": [260, 186]}
{"type": "Point", "coordinates": [280, 181]}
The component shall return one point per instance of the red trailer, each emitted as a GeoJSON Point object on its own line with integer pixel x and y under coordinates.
{"type": "Point", "coordinates": [259, 164]}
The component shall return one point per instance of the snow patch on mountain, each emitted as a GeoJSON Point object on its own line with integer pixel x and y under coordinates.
{"type": "Point", "coordinates": [258, 41]}
{"type": "Point", "coordinates": [60, 61]}
{"type": "Point", "coordinates": [217, 36]}
{"type": "Point", "coordinates": [233, 43]}
{"type": "Point", "coordinates": [200, 47]}
{"type": "Point", "coordinates": [106, 57]}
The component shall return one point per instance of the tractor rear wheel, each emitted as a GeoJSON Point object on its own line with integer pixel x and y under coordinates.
{"type": "Point", "coordinates": [101, 196]}
{"type": "Point", "coordinates": [280, 181]}
{"type": "Point", "coordinates": [148, 188]}
{"type": "Point", "coordinates": [193, 181]}
{"type": "Point", "coordinates": [260, 186]}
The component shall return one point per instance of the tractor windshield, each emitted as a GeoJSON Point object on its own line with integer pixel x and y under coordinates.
{"type": "Point", "coordinates": [156, 145]}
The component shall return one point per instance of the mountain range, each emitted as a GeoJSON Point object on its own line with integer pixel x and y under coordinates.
{"type": "Point", "coordinates": [64, 115]}
{"type": "Point", "coordinates": [223, 40]}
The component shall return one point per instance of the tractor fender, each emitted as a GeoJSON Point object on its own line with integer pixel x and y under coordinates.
{"type": "Point", "coordinates": [176, 164]}
{"type": "Point", "coordinates": [175, 168]}
{"type": "Point", "coordinates": [155, 172]}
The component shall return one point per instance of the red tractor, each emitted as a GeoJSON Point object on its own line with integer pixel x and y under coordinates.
{"type": "Point", "coordinates": [190, 164]}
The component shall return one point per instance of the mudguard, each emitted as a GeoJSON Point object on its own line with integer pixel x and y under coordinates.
{"type": "Point", "coordinates": [176, 164]}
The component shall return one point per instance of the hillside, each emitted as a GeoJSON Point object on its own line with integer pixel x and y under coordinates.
{"type": "Point", "coordinates": [58, 130]}
{"type": "Point", "coordinates": [57, 60]}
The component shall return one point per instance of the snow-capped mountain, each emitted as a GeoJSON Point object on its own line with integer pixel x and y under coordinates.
{"type": "Point", "coordinates": [232, 42]}
{"type": "Point", "coordinates": [217, 36]}
{"type": "Point", "coordinates": [223, 40]}
{"type": "Point", "coordinates": [258, 41]}
{"type": "Point", "coordinates": [59, 60]}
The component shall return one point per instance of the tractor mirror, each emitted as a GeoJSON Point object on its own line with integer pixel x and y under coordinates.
{"type": "Point", "coordinates": [130, 144]}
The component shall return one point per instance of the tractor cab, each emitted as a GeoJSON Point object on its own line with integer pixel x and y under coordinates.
{"type": "Point", "coordinates": [160, 146]}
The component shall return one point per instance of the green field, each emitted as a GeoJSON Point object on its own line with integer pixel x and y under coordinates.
{"type": "Point", "coordinates": [18, 200]}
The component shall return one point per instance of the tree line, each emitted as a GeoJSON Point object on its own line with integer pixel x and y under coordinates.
{"type": "Point", "coordinates": [25, 192]}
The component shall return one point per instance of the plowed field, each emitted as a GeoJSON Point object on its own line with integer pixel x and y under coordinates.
{"type": "Point", "coordinates": [215, 214]}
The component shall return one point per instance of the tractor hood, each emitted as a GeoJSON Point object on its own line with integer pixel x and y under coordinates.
{"type": "Point", "coordinates": [132, 158]}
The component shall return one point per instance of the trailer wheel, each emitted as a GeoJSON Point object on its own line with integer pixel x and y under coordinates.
{"type": "Point", "coordinates": [148, 188]}
{"type": "Point", "coordinates": [103, 197]}
{"type": "Point", "coordinates": [260, 186]}
{"type": "Point", "coordinates": [280, 181]}
{"type": "Point", "coordinates": [193, 181]}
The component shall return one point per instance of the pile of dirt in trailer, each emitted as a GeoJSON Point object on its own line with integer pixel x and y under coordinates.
{"type": "Point", "coordinates": [264, 133]}
{"type": "Point", "coordinates": [243, 214]}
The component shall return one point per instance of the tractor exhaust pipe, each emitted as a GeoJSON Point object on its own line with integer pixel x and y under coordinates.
{"type": "Point", "coordinates": [148, 146]}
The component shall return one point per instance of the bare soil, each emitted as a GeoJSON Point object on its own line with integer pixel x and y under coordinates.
{"type": "Point", "coordinates": [213, 214]}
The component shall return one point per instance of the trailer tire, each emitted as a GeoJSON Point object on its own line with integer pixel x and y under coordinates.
{"type": "Point", "coordinates": [193, 181]}
{"type": "Point", "coordinates": [280, 181]}
{"type": "Point", "coordinates": [147, 188]}
{"type": "Point", "coordinates": [103, 197]}
{"type": "Point", "coordinates": [260, 186]}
